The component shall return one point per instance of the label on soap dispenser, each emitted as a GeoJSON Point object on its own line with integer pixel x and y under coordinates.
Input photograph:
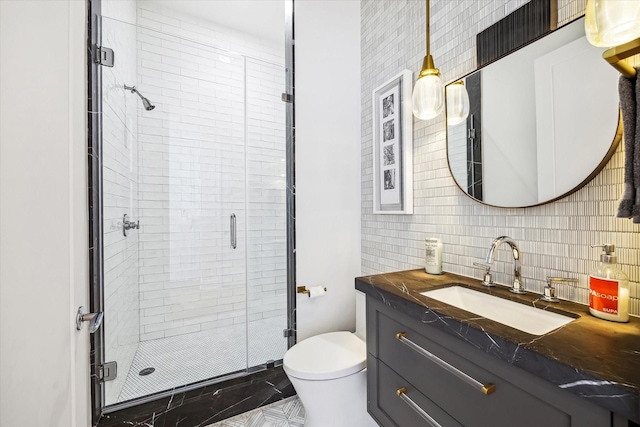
{"type": "Point", "coordinates": [433, 256]}
{"type": "Point", "coordinates": [603, 295]}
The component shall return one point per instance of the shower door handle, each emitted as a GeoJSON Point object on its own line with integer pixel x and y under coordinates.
{"type": "Point", "coordinates": [233, 231]}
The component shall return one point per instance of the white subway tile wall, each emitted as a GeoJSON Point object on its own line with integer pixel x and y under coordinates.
{"type": "Point", "coordinates": [195, 171]}
{"type": "Point", "coordinates": [554, 238]}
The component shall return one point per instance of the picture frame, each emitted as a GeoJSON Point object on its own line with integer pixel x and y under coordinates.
{"type": "Point", "coordinates": [393, 146]}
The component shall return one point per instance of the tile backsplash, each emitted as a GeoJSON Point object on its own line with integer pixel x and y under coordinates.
{"type": "Point", "coordinates": [554, 238]}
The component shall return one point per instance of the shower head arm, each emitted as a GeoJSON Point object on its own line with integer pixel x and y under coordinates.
{"type": "Point", "coordinates": [147, 104]}
{"type": "Point", "coordinates": [133, 90]}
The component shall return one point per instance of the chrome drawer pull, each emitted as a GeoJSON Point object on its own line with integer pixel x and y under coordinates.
{"type": "Point", "coordinates": [402, 394]}
{"type": "Point", "coordinates": [484, 388]}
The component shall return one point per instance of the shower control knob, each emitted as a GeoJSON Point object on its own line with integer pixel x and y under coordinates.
{"type": "Point", "coordinates": [128, 225]}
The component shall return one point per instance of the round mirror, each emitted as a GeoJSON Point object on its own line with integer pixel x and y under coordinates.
{"type": "Point", "coordinates": [543, 121]}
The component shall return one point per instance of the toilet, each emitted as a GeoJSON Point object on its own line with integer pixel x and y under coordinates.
{"type": "Point", "coordinates": [329, 374]}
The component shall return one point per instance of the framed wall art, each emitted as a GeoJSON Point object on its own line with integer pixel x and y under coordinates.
{"type": "Point", "coordinates": [393, 146]}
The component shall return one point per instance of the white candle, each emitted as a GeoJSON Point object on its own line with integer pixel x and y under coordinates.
{"type": "Point", "coordinates": [433, 258]}
{"type": "Point", "coordinates": [623, 305]}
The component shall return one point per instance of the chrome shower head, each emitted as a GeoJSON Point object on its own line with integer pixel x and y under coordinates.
{"type": "Point", "coordinates": [147, 104]}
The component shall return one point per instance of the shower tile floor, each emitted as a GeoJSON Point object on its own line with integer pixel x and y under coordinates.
{"type": "Point", "coordinates": [286, 413]}
{"type": "Point", "coordinates": [185, 359]}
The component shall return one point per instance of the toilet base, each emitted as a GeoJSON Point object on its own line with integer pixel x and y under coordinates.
{"type": "Point", "coordinates": [341, 402]}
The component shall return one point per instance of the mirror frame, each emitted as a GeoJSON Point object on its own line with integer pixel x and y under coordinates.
{"type": "Point", "coordinates": [607, 157]}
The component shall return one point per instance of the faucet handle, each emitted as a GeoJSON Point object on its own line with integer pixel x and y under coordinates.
{"type": "Point", "coordinates": [487, 281]}
{"type": "Point", "coordinates": [484, 265]}
{"type": "Point", "coordinates": [552, 280]}
{"type": "Point", "coordinates": [550, 291]}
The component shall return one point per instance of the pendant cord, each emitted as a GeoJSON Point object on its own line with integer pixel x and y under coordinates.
{"type": "Point", "coordinates": [428, 29]}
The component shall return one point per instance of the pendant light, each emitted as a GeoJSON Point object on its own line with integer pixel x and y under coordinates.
{"type": "Point", "coordinates": [457, 103]}
{"type": "Point", "coordinates": [612, 22]}
{"type": "Point", "coordinates": [428, 93]}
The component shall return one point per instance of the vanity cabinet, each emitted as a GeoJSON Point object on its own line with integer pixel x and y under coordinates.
{"type": "Point", "coordinates": [414, 367]}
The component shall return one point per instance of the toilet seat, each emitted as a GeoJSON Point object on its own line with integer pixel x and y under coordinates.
{"type": "Point", "coordinates": [326, 356]}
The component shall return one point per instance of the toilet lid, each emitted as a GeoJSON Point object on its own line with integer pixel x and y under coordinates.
{"type": "Point", "coordinates": [326, 356]}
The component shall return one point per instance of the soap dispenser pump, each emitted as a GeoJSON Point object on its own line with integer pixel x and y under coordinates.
{"type": "Point", "coordinates": [609, 288]}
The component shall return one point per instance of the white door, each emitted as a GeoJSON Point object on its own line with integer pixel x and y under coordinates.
{"type": "Point", "coordinates": [44, 373]}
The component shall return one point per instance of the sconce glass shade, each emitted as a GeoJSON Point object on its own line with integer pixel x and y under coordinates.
{"type": "Point", "coordinates": [611, 23]}
{"type": "Point", "coordinates": [428, 97]}
{"type": "Point", "coordinates": [457, 103]}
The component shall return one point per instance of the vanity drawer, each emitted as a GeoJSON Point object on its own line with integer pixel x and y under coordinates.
{"type": "Point", "coordinates": [405, 412]}
{"type": "Point", "coordinates": [441, 383]}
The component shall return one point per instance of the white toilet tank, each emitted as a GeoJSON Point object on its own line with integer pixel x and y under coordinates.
{"type": "Point", "coordinates": [328, 372]}
{"type": "Point", "coordinates": [361, 316]}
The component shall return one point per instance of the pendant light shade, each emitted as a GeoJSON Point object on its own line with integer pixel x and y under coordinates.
{"type": "Point", "coordinates": [612, 22]}
{"type": "Point", "coordinates": [428, 97]}
{"type": "Point", "coordinates": [428, 93]}
{"type": "Point", "coordinates": [457, 103]}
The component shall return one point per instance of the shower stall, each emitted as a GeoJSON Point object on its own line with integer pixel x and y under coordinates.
{"type": "Point", "coordinates": [193, 202]}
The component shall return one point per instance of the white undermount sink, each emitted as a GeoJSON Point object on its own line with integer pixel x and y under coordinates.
{"type": "Point", "coordinates": [528, 319]}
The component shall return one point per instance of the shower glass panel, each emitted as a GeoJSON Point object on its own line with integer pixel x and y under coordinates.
{"type": "Point", "coordinates": [198, 290]}
{"type": "Point", "coordinates": [266, 212]}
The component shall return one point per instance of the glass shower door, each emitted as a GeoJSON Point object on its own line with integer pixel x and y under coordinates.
{"type": "Point", "coordinates": [193, 153]}
{"type": "Point", "coordinates": [266, 212]}
{"type": "Point", "coordinates": [121, 288]}
{"type": "Point", "coordinates": [176, 287]}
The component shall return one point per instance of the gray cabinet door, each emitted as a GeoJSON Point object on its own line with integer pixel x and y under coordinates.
{"type": "Point", "coordinates": [392, 407]}
{"type": "Point", "coordinates": [520, 398]}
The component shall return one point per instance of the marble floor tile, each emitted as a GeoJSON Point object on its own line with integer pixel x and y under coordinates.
{"type": "Point", "coordinates": [287, 413]}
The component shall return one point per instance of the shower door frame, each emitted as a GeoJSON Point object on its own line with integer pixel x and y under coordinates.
{"type": "Point", "coordinates": [95, 247]}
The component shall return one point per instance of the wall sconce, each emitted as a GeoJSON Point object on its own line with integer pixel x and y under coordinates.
{"type": "Point", "coordinates": [428, 93]}
{"type": "Point", "coordinates": [615, 24]}
{"type": "Point", "coordinates": [457, 103]}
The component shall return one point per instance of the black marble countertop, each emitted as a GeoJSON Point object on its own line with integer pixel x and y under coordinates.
{"type": "Point", "coordinates": [593, 358]}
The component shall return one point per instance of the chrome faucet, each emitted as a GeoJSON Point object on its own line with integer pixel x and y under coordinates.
{"type": "Point", "coordinates": [518, 286]}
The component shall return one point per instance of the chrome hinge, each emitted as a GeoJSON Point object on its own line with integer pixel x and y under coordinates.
{"type": "Point", "coordinates": [104, 56]}
{"type": "Point", "coordinates": [287, 333]}
{"type": "Point", "coordinates": [108, 371]}
{"type": "Point", "coordinates": [287, 97]}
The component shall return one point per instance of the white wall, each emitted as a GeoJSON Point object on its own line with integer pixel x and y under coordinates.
{"type": "Point", "coordinates": [516, 83]}
{"type": "Point", "coordinates": [44, 361]}
{"type": "Point", "coordinates": [564, 112]}
{"type": "Point", "coordinates": [506, 179]}
{"type": "Point", "coordinates": [327, 161]}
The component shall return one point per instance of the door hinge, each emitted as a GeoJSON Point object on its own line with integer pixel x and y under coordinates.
{"type": "Point", "coordinates": [287, 333]}
{"type": "Point", "coordinates": [287, 97]}
{"type": "Point", "coordinates": [104, 56]}
{"type": "Point", "coordinates": [108, 371]}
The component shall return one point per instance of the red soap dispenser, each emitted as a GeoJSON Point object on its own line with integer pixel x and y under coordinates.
{"type": "Point", "coordinates": [609, 288]}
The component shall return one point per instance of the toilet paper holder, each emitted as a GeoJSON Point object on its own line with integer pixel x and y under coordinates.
{"type": "Point", "coordinates": [304, 290]}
